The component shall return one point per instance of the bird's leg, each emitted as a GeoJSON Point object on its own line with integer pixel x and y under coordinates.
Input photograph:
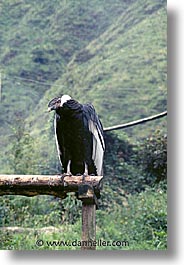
{"type": "Point", "coordinates": [68, 173]}
{"type": "Point", "coordinates": [85, 171]}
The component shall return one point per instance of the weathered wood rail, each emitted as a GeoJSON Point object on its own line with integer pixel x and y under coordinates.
{"type": "Point", "coordinates": [59, 185]}
{"type": "Point", "coordinates": [87, 190]}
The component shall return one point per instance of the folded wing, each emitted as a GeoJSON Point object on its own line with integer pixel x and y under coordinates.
{"type": "Point", "coordinates": [96, 129]}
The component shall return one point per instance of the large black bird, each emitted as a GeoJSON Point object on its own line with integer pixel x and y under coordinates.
{"type": "Point", "coordinates": [79, 136]}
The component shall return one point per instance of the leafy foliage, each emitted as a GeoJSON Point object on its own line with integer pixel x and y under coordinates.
{"type": "Point", "coordinates": [138, 212]}
{"type": "Point", "coordinates": [30, 212]}
{"type": "Point", "coordinates": [154, 157]}
{"type": "Point", "coordinates": [22, 155]}
{"type": "Point", "coordinates": [142, 223]}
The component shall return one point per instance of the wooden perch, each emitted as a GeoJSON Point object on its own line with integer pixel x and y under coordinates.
{"type": "Point", "coordinates": [59, 186]}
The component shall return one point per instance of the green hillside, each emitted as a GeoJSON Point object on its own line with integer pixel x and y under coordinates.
{"type": "Point", "coordinates": [38, 39]}
{"type": "Point", "coordinates": [113, 54]}
{"type": "Point", "coordinates": [110, 53]}
{"type": "Point", "coordinates": [122, 72]}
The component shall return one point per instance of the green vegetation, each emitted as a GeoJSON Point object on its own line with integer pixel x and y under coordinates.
{"type": "Point", "coordinates": [142, 223]}
{"type": "Point", "coordinates": [111, 53]}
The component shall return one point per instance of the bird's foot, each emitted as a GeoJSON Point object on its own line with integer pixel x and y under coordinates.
{"type": "Point", "coordinates": [68, 174]}
{"type": "Point", "coordinates": [84, 176]}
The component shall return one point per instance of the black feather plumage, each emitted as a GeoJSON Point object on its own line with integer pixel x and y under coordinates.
{"type": "Point", "coordinates": [79, 136]}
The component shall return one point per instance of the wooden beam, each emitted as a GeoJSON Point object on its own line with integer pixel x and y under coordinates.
{"type": "Point", "coordinates": [59, 185]}
{"type": "Point", "coordinates": [88, 226]}
{"type": "Point", "coordinates": [41, 230]}
{"type": "Point", "coordinates": [89, 203]}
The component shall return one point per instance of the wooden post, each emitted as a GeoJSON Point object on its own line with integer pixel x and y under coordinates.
{"type": "Point", "coordinates": [89, 202]}
{"type": "Point", "coordinates": [88, 226]}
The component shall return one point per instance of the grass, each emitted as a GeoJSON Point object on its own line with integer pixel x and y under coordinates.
{"type": "Point", "coordinates": [141, 225]}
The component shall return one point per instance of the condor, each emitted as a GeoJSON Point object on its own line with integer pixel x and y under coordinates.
{"type": "Point", "coordinates": [79, 136]}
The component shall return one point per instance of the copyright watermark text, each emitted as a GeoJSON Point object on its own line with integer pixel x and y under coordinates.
{"type": "Point", "coordinates": [79, 243]}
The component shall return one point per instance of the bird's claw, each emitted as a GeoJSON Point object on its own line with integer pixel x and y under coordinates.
{"type": "Point", "coordinates": [83, 176]}
{"type": "Point", "coordinates": [67, 174]}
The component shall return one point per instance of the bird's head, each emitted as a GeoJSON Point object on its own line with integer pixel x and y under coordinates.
{"type": "Point", "coordinates": [57, 103]}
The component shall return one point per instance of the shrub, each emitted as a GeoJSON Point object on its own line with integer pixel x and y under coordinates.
{"type": "Point", "coordinates": [153, 154]}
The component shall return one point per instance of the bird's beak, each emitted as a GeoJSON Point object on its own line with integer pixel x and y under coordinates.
{"type": "Point", "coordinates": [49, 109]}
